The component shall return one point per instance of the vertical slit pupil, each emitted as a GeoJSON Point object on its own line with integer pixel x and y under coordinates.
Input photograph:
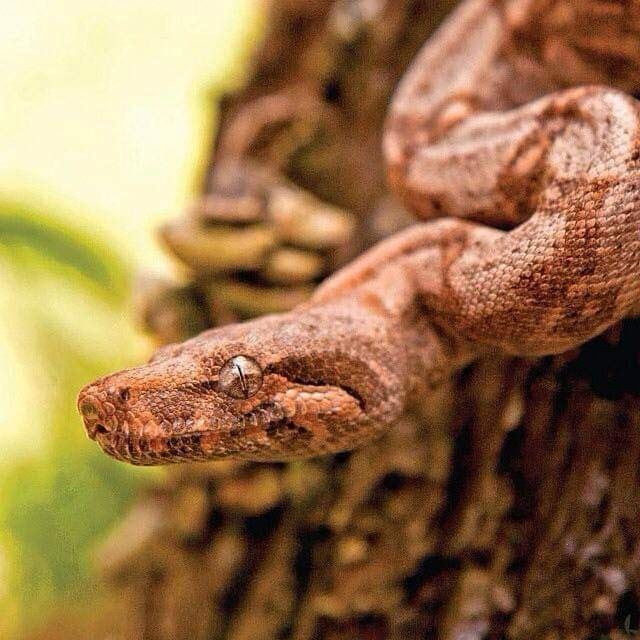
{"type": "Point", "coordinates": [240, 377]}
{"type": "Point", "coordinates": [243, 382]}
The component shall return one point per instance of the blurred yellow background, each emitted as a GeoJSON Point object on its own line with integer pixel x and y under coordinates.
{"type": "Point", "coordinates": [107, 108]}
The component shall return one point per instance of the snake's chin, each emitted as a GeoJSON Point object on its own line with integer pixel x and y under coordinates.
{"type": "Point", "coordinates": [145, 451]}
{"type": "Point", "coordinates": [212, 444]}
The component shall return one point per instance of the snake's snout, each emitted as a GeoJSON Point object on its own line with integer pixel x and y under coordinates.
{"type": "Point", "coordinates": [99, 409]}
{"type": "Point", "coordinates": [92, 416]}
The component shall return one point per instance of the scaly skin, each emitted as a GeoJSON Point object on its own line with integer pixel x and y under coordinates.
{"type": "Point", "coordinates": [468, 135]}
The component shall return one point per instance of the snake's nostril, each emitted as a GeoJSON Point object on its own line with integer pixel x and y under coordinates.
{"type": "Point", "coordinates": [100, 428]}
{"type": "Point", "coordinates": [88, 410]}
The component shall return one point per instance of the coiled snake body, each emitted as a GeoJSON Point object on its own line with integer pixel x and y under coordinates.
{"type": "Point", "coordinates": [483, 127]}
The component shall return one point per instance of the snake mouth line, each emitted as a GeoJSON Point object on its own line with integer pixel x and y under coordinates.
{"type": "Point", "coordinates": [154, 451]}
{"type": "Point", "coordinates": [201, 446]}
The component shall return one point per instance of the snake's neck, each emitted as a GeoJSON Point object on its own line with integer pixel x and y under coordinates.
{"type": "Point", "coordinates": [401, 283]}
{"type": "Point", "coordinates": [392, 328]}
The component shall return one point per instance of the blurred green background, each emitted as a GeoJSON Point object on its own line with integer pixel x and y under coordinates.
{"type": "Point", "coordinates": [107, 109]}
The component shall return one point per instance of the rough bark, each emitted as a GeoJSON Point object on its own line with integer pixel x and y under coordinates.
{"type": "Point", "coordinates": [504, 506]}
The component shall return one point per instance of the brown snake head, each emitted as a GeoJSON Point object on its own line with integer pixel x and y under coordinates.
{"type": "Point", "coordinates": [276, 388]}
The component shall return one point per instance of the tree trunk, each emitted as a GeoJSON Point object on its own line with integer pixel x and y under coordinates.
{"type": "Point", "coordinates": [503, 506]}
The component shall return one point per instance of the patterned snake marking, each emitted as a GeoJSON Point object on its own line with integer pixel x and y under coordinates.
{"type": "Point", "coordinates": [543, 253]}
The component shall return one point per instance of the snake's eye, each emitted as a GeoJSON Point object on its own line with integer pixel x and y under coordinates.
{"type": "Point", "coordinates": [240, 377]}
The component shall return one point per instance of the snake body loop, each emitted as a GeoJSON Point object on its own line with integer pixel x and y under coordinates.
{"type": "Point", "coordinates": [562, 169]}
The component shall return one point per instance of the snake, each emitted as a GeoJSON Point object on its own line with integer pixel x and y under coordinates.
{"type": "Point", "coordinates": [514, 137]}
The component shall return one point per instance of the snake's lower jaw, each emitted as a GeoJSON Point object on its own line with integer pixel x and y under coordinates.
{"type": "Point", "coordinates": [154, 451]}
